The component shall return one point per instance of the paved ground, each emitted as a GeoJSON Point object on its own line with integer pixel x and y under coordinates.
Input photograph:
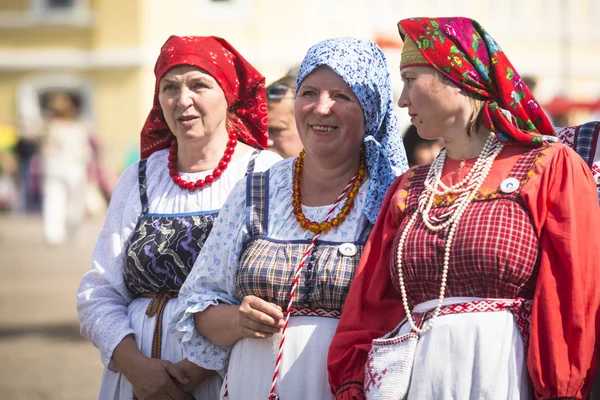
{"type": "Point", "coordinates": [42, 355]}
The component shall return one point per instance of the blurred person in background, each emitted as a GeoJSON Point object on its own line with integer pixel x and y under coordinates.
{"type": "Point", "coordinates": [8, 167]}
{"type": "Point", "coordinates": [585, 140]}
{"type": "Point", "coordinates": [204, 133]}
{"type": "Point", "coordinates": [27, 152]}
{"type": "Point", "coordinates": [236, 299]}
{"type": "Point", "coordinates": [420, 151]}
{"type": "Point", "coordinates": [101, 182]}
{"type": "Point", "coordinates": [65, 154]}
{"type": "Point", "coordinates": [487, 259]}
{"type": "Point", "coordinates": [283, 134]}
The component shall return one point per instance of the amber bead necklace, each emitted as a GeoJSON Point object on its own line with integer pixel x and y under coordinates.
{"type": "Point", "coordinates": [325, 226]}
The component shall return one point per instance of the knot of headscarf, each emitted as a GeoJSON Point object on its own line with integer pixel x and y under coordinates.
{"type": "Point", "coordinates": [362, 65]}
{"type": "Point", "coordinates": [467, 55]}
{"type": "Point", "coordinates": [243, 85]}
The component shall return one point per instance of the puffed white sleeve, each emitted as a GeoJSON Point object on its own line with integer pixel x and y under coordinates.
{"type": "Point", "coordinates": [102, 297]}
{"type": "Point", "coordinates": [265, 160]}
{"type": "Point", "coordinates": [211, 281]}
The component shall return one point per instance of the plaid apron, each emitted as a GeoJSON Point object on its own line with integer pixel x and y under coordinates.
{"type": "Point", "coordinates": [267, 265]}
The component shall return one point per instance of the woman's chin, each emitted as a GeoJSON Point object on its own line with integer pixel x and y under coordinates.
{"type": "Point", "coordinates": [191, 135]}
{"type": "Point", "coordinates": [330, 155]}
{"type": "Point", "coordinates": [427, 134]}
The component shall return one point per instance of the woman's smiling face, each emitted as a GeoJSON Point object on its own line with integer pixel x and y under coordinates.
{"type": "Point", "coordinates": [329, 117]}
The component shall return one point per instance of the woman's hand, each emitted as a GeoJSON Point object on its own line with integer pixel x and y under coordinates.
{"type": "Point", "coordinates": [225, 324]}
{"type": "Point", "coordinates": [195, 373]}
{"type": "Point", "coordinates": [150, 378]}
{"type": "Point", "coordinates": [158, 379]}
{"type": "Point", "coordinates": [259, 319]}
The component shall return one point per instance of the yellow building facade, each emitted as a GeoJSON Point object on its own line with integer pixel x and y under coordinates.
{"type": "Point", "coordinates": [86, 47]}
{"type": "Point", "coordinates": [105, 49]}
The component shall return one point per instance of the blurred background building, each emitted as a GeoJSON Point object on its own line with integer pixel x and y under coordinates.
{"type": "Point", "coordinates": [103, 51]}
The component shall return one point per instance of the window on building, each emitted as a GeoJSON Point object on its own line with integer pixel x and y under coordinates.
{"type": "Point", "coordinates": [59, 4]}
{"type": "Point", "coordinates": [48, 12]}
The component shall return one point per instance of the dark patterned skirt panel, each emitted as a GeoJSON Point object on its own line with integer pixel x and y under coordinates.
{"type": "Point", "coordinates": [163, 249]}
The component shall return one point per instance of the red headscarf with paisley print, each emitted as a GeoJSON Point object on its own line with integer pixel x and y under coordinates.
{"type": "Point", "coordinates": [467, 55]}
{"type": "Point", "coordinates": [244, 89]}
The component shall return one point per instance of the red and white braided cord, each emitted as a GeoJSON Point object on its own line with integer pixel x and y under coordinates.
{"type": "Point", "coordinates": [272, 394]}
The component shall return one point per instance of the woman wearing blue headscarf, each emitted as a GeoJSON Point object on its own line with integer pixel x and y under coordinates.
{"type": "Point", "coordinates": [268, 288]}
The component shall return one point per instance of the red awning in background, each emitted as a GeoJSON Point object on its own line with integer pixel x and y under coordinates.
{"type": "Point", "coordinates": [561, 105]}
{"type": "Point", "coordinates": [387, 42]}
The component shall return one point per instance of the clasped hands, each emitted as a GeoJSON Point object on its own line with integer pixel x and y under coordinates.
{"type": "Point", "coordinates": [155, 379]}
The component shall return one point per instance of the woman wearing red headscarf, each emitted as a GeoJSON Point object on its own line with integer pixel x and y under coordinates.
{"type": "Point", "coordinates": [204, 133]}
{"type": "Point", "coordinates": [480, 277]}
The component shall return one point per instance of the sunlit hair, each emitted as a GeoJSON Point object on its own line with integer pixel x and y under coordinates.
{"type": "Point", "coordinates": [476, 113]}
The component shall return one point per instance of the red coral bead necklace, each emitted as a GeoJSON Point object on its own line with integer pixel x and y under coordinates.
{"type": "Point", "coordinates": [209, 179]}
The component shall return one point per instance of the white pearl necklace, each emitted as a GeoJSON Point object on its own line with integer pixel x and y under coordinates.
{"type": "Point", "coordinates": [467, 188]}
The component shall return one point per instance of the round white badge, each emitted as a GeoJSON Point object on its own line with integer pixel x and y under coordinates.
{"type": "Point", "coordinates": [509, 185]}
{"type": "Point", "coordinates": [347, 249]}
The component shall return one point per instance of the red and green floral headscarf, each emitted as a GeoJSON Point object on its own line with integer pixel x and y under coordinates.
{"type": "Point", "coordinates": [467, 55]}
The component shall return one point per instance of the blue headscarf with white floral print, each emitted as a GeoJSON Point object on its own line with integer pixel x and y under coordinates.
{"type": "Point", "coordinates": [362, 65]}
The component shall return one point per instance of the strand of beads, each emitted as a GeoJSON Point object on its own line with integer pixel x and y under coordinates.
{"type": "Point", "coordinates": [487, 155]}
{"type": "Point", "coordinates": [326, 225]}
{"type": "Point", "coordinates": [477, 175]}
{"type": "Point", "coordinates": [433, 178]}
{"type": "Point", "coordinates": [209, 179]}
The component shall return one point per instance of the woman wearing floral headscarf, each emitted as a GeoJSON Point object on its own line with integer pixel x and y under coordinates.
{"type": "Point", "coordinates": [479, 280]}
{"type": "Point", "coordinates": [207, 97]}
{"type": "Point", "coordinates": [317, 207]}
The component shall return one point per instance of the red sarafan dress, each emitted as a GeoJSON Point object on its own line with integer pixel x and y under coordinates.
{"type": "Point", "coordinates": [538, 244]}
